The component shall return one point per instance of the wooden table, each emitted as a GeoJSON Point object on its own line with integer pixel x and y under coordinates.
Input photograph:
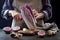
{"type": "Point", "coordinates": [4, 36]}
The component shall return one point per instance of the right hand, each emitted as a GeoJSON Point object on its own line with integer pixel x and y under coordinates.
{"type": "Point", "coordinates": [16, 15]}
{"type": "Point", "coordinates": [38, 15]}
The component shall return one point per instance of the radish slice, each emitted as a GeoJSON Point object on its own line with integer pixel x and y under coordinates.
{"type": "Point", "coordinates": [41, 33]}
{"type": "Point", "coordinates": [6, 28]}
{"type": "Point", "coordinates": [16, 28]}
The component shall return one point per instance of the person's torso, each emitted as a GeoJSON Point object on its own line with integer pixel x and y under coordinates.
{"type": "Point", "coordinates": [34, 4]}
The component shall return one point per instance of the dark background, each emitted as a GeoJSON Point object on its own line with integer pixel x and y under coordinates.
{"type": "Point", "coordinates": [3, 22]}
{"type": "Point", "coordinates": [55, 12]}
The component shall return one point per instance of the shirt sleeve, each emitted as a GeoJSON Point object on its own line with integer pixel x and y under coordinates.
{"type": "Point", "coordinates": [47, 9]}
{"type": "Point", "coordinates": [7, 6]}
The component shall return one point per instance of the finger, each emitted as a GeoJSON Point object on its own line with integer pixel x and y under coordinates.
{"type": "Point", "coordinates": [34, 11]}
{"type": "Point", "coordinates": [16, 17]}
{"type": "Point", "coordinates": [37, 17]}
{"type": "Point", "coordinates": [19, 17]}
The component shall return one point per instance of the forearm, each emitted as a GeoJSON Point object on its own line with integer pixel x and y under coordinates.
{"type": "Point", "coordinates": [6, 7]}
{"type": "Point", "coordinates": [47, 9]}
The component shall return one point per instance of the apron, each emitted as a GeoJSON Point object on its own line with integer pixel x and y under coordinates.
{"type": "Point", "coordinates": [34, 4]}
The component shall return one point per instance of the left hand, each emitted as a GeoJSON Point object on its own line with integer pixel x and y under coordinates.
{"type": "Point", "coordinates": [37, 15]}
{"type": "Point", "coordinates": [16, 15]}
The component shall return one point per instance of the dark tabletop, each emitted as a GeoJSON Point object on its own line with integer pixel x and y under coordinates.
{"type": "Point", "coordinates": [4, 36]}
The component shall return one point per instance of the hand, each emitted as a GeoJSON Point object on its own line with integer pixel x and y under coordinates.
{"type": "Point", "coordinates": [16, 15]}
{"type": "Point", "coordinates": [37, 15]}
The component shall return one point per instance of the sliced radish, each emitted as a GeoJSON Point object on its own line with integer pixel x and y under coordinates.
{"type": "Point", "coordinates": [16, 28]}
{"type": "Point", "coordinates": [6, 28]}
{"type": "Point", "coordinates": [41, 33]}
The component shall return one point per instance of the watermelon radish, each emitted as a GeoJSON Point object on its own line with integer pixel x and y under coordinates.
{"type": "Point", "coordinates": [41, 33]}
{"type": "Point", "coordinates": [16, 28]}
{"type": "Point", "coordinates": [7, 30]}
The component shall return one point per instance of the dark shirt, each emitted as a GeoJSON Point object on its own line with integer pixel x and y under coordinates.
{"type": "Point", "coordinates": [47, 9]}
